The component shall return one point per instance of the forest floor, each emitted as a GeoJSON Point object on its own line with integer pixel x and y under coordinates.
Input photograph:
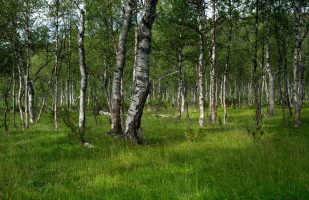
{"type": "Point", "coordinates": [176, 162]}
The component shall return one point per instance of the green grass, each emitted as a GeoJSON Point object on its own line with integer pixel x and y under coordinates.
{"type": "Point", "coordinates": [174, 163]}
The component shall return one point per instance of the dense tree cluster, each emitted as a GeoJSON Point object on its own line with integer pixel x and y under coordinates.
{"type": "Point", "coordinates": [120, 56]}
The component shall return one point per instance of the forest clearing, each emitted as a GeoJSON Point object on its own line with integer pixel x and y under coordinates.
{"type": "Point", "coordinates": [154, 99]}
{"type": "Point", "coordinates": [174, 163]}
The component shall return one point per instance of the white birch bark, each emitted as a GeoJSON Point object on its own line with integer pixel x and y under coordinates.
{"type": "Point", "coordinates": [31, 102]}
{"type": "Point", "coordinates": [142, 83]}
{"type": "Point", "coordinates": [120, 63]}
{"type": "Point", "coordinates": [56, 67]}
{"type": "Point", "coordinates": [201, 76]}
{"type": "Point", "coordinates": [83, 71]}
{"type": "Point", "coordinates": [271, 91]}
{"type": "Point", "coordinates": [298, 68]}
{"type": "Point", "coordinates": [212, 96]}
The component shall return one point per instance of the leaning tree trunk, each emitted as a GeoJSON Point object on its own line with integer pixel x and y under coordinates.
{"type": "Point", "coordinates": [120, 63]}
{"type": "Point", "coordinates": [6, 109]}
{"type": "Point", "coordinates": [142, 84]}
{"type": "Point", "coordinates": [212, 96]}
{"type": "Point", "coordinates": [201, 76]}
{"type": "Point", "coordinates": [83, 73]}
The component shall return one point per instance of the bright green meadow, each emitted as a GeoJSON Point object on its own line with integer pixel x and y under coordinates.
{"type": "Point", "coordinates": [177, 160]}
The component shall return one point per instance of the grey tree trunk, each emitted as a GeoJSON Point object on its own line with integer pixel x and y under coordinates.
{"type": "Point", "coordinates": [83, 72]}
{"type": "Point", "coordinates": [212, 96]}
{"type": "Point", "coordinates": [142, 84]}
{"type": "Point", "coordinates": [31, 102]}
{"type": "Point", "coordinates": [120, 63]}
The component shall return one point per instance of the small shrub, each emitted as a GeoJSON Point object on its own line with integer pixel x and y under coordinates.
{"type": "Point", "coordinates": [75, 135]}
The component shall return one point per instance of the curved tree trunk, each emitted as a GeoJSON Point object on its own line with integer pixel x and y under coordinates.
{"type": "Point", "coordinates": [142, 84]}
{"type": "Point", "coordinates": [116, 85]}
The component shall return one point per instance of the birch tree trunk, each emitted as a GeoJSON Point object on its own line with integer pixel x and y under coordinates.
{"type": "Point", "coordinates": [14, 95]}
{"type": "Point", "coordinates": [271, 95]}
{"type": "Point", "coordinates": [83, 72]}
{"type": "Point", "coordinates": [180, 97]}
{"type": "Point", "coordinates": [212, 96]}
{"type": "Point", "coordinates": [20, 93]}
{"type": "Point", "coordinates": [26, 70]}
{"type": "Point", "coordinates": [201, 76]}
{"type": "Point", "coordinates": [298, 68]}
{"type": "Point", "coordinates": [227, 64]}
{"type": "Point", "coordinates": [31, 102]}
{"type": "Point", "coordinates": [255, 73]}
{"type": "Point", "coordinates": [142, 84]}
{"type": "Point", "coordinates": [68, 99]}
{"type": "Point", "coordinates": [120, 63]}
{"type": "Point", "coordinates": [56, 68]}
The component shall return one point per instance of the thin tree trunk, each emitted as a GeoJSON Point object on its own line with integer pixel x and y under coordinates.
{"type": "Point", "coordinates": [180, 97]}
{"type": "Point", "coordinates": [116, 127]}
{"type": "Point", "coordinates": [26, 70]}
{"type": "Point", "coordinates": [255, 73]}
{"type": "Point", "coordinates": [14, 95]}
{"type": "Point", "coordinates": [6, 109]}
{"type": "Point", "coordinates": [212, 97]}
{"type": "Point", "coordinates": [298, 69]}
{"type": "Point", "coordinates": [83, 73]}
{"type": "Point", "coordinates": [69, 67]}
{"type": "Point", "coordinates": [31, 102]}
{"type": "Point", "coordinates": [227, 64]}
{"type": "Point", "coordinates": [56, 68]}
{"type": "Point", "coordinates": [271, 96]}
{"type": "Point", "coordinates": [20, 93]}
{"type": "Point", "coordinates": [142, 84]}
{"type": "Point", "coordinates": [201, 76]}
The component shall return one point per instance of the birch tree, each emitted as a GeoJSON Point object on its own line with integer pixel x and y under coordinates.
{"type": "Point", "coordinates": [212, 96]}
{"type": "Point", "coordinates": [298, 65]}
{"type": "Point", "coordinates": [142, 83]}
{"type": "Point", "coordinates": [83, 70]}
{"type": "Point", "coordinates": [116, 97]}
